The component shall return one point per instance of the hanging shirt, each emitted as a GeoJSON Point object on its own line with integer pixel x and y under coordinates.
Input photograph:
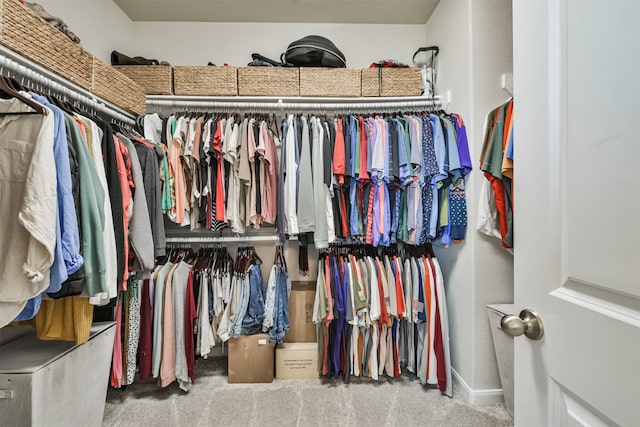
{"type": "Point", "coordinates": [68, 244]}
{"type": "Point", "coordinates": [140, 225]}
{"type": "Point", "coordinates": [91, 213]}
{"type": "Point", "coordinates": [306, 213]}
{"type": "Point", "coordinates": [28, 197]}
{"type": "Point", "coordinates": [270, 181]}
{"type": "Point", "coordinates": [320, 191]}
{"type": "Point", "coordinates": [290, 179]}
{"type": "Point", "coordinates": [67, 259]}
{"type": "Point", "coordinates": [109, 238]}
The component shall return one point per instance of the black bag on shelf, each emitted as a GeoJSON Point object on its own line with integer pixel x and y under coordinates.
{"type": "Point", "coordinates": [118, 58]}
{"type": "Point", "coordinates": [314, 51]}
{"type": "Point", "coordinates": [262, 61]}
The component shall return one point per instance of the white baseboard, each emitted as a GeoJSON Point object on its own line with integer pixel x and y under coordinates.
{"type": "Point", "coordinates": [476, 397]}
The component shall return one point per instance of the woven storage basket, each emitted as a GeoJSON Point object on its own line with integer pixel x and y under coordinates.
{"type": "Point", "coordinates": [268, 81]}
{"type": "Point", "coordinates": [27, 34]}
{"type": "Point", "coordinates": [330, 82]}
{"type": "Point", "coordinates": [391, 82]}
{"type": "Point", "coordinates": [205, 81]}
{"type": "Point", "coordinates": [155, 79]}
{"type": "Point", "coordinates": [113, 86]}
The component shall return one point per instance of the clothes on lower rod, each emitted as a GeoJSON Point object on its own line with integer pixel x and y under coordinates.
{"type": "Point", "coordinates": [191, 302]}
{"type": "Point", "coordinates": [380, 313]}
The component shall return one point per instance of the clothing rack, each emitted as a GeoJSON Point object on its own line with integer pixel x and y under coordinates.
{"type": "Point", "coordinates": [225, 239]}
{"type": "Point", "coordinates": [167, 103]}
{"type": "Point", "coordinates": [44, 81]}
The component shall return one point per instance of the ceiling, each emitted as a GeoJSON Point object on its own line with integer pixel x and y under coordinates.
{"type": "Point", "coordinates": [302, 11]}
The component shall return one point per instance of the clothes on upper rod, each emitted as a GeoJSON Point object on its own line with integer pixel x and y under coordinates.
{"type": "Point", "coordinates": [495, 212]}
{"type": "Point", "coordinates": [221, 172]}
{"type": "Point", "coordinates": [374, 179]}
{"type": "Point", "coordinates": [78, 219]}
{"type": "Point", "coordinates": [380, 313]}
{"type": "Point", "coordinates": [190, 303]}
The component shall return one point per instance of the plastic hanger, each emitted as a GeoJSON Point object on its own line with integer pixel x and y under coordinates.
{"type": "Point", "coordinates": [36, 106]}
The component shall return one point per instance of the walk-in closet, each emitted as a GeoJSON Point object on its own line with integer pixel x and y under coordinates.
{"type": "Point", "coordinates": [319, 213]}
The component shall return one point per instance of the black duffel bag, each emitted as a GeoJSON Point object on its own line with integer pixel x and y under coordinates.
{"type": "Point", "coordinates": [314, 51]}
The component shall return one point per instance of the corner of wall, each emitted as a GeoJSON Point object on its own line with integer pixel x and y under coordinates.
{"type": "Point", "coordinates": [481, 272]}
{"type": "Point", "coordinates": [491, 44]}
{"type": "Point", "coordinates": [476, 397]}
{"type": "Point", "coordinates": [454, 76]}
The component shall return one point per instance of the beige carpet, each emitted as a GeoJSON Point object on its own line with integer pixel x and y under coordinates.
{"type": "Point", "coordinates": [214, 402]}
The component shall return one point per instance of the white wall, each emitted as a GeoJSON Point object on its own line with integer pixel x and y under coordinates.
{"type": "Point", "coordinates": [492, 52]}
{"type": "Point", "coordinates": [480, 272]}
{"type": "Point", "coordinates": [454, 75]}
{"type": "Point", "coordinates": [101, 25]}
{"type": "Point", "coordinates": [192, 43]}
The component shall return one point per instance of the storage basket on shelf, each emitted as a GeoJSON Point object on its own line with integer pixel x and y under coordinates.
{"type": "Point", "coordinates": [330, 82]}
{"type": "Point", "coordinates": [27, 34]}
{"type": "Point", "coordinates": [155, 79]}
{"type": "Point", "coordinates": [205, 81]}
{"type": "Point", "coordinates": [391, 82]}
{"type": "Point", "coordinates": [268, 81]}
{"type": "Point", "coordinates": [113, 86]}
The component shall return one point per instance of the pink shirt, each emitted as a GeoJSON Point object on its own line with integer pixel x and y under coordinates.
{"type": "Point", "coordinates": [270, 169]}
{"type": "Point", "coordinates": [168, 361]}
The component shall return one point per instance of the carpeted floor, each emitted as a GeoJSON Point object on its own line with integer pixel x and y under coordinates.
{"type": "Point", "coordinates": [214, 402]}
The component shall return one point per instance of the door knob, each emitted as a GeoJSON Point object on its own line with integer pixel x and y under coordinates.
{"type": "Point", "coordinates": [528, 323]}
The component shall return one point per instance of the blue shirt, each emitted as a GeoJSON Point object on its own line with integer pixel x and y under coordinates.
{"type": "Point", "coordinates": [68, 247]}
{"type": "Point", "coordinates": [439, 147]}
{"type": "Point", "coordinates": [353, 131]}
{"type": "Point", "coordinates": [452, 151]}
{"type": "Point", "coordinates": [403, 160]}
{"type": "Point", "coordinates": [386, 235]}
{"type": "Point", "coordinates": [387, 150]}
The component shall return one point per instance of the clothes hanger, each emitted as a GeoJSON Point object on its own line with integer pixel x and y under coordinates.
{"type": "Point", "coordinates": [36, 106]}
{"type": "Point", "coordinates": [255, 256]}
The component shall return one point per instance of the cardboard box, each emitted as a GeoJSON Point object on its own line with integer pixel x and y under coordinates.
{"type": "Point", "coordinates": [301, 326]}
{"type": "Point", "coordinates": [297, 360]}
{"type": "Point", "coordinates": [251, 359]}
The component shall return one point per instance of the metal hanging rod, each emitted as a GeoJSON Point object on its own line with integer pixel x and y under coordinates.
{"type": "Point", "coordinates": [225, 239]}
{"type": "Point", "coordinates": [12, 64]}
{"type": "Point", "coordinates": [289, 104]}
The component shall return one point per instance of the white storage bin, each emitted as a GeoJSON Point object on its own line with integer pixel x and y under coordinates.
{"type": "Point", "coordinates": [54, 383]}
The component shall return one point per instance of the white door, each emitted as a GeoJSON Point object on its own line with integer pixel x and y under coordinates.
{"type": "Point", "coordinates": [577, 210]}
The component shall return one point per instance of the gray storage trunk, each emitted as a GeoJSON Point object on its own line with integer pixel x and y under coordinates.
{"type": "Point", "coordinates": [54, 383]}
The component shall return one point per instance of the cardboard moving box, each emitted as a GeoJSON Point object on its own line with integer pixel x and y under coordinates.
{"type": "Point", "coordinates": [302, 328]}
{"type": "Point", "coordinates": [251, 359]}
{"type": "Point", "coordinates": [297, 360]}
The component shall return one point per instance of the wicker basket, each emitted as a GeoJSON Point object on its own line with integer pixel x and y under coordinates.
{"type": "Point", "coordinates": [155, 79]}
{"type": "Point", "coordinates": [391, 82]}
{"type": "Point", "coordinates": [205, 81]}
{"type": "Point", "coordinates": [30, 36]}
{"type": "Point", "coordinates": [268, 81]}
{"type": "Point", "coordinates": [330, 82]}
{"type": "Point", "coordinates": [113, 86]}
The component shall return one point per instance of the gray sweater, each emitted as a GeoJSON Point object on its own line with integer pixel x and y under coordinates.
{"type": "Point", "coordinates": [140, 235]}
